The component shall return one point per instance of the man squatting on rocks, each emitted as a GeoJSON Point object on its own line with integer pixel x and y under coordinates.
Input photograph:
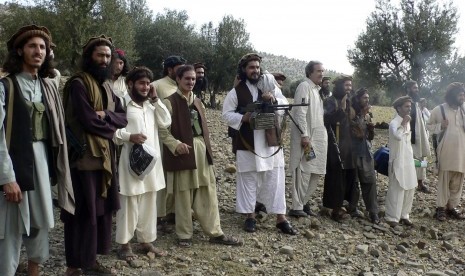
{"type": "Point", "coordinates": [93, 114]}
{"type": "Point", "coordinates": [30, 99]}
{"type": "Point", "coordinates": [255, 174]}
{"type": "Point", "coordinates": [188, 162]}
{"type": "Point", "coordinates": [306, 172]}
{"type": "Point", "coordinates": [138, 198]}
{"type": "Point", "coordinates": [450, 129]}
{"type": "Point", "coordinates": [402, 174]}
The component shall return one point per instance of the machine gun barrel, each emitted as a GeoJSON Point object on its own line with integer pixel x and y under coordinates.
{"type": "Point", "coordinates": [266, 107]}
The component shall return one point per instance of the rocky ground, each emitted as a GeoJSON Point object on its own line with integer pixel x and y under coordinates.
{"type": "Point", "coordinates": [323, 247]}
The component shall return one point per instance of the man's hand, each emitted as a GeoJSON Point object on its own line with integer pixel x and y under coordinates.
{"type": "Point", "coordinates": [137, 138]}
{"type": "Point", "coordinates": [153, 92]}
{"type": "Point", "coordinates": [305, 141]}
{"type": "Point", "coordinates": [406, 120]}
{"type": "Point", "coordinates": [444, 124]}
{"type": "Point", "coordinates": [101, 114]}
{"type": "Point", "coordinates": [268, 96]}
{"type": "Point", "coordinates": [183, 149]}
{"type": "Point", "coordinates": [12, 192]}
{"type": "Point", "coordinates": [246, 117]}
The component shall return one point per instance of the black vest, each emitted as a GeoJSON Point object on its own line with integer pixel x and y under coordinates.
{"type": "Point", "coordinates": [20, 150]}
{"type": "Point", "coordinates": [244, 97]}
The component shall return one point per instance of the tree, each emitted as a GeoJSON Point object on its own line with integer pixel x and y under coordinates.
{"type": "Point", "coordinates": [413, 41]}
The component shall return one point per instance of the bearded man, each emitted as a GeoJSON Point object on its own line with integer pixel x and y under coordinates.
{"type": "Point", "coordinates": [201, 82]}
{"type": "Point", "coordinates": [93, 114]}
{"type": "Point", "coordinates": [255, 174]}
{"type": "Point", "coordinates": [324, 91]}
{"type": "Point", "coordinates": [340, 179]}
{"type": "Point", "coordinates": [448, 123]}
{"type": "Point", "coordinates": [419, 138]}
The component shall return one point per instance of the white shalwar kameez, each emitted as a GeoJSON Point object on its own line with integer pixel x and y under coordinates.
{"type": "Point", "coordinates": [138, 198]}
{"type": "Point", "coordinates": [306, 174]}
{"type": "Point", "coordinates": [256, 174]}
{"type": "Point", "coordinates": [402, 174]}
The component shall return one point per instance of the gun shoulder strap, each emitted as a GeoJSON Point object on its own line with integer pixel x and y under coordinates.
{"type": "Point", "coordinates": [249, 147]}
{"type": "Point", "coordinates": [9, 96]}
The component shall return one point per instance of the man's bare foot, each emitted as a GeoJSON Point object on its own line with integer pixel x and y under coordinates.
{"type": "Point", "coordinates": [125, 253]}
{"type": "Point", "coordinates": [149, 247]}
{"type": "Point", "coordinates": [71, 271]}
{"type": "Point", "coordinates": [32, 268]}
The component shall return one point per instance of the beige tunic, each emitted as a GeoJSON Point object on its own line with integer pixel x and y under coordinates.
{"type": "Point", "coordinates": [310, 120]}
{"type": "Point", "coordinates": [165, 87]}
{"type": "Point", "coordinates": [452, 146]}
{"type": "Point", "coordinates": [421, 147]}
{"type": "Point", "coordinates": [187, 179]}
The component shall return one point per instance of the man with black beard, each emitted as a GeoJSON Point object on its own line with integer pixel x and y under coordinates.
{"type": "Point", "coordinates": [93, 114]}
{"type": "Point", "coordinates": [201, 82]}
{"type": "Point", "coordinates": [324, 90]}
{"type": "Point", "coordinates": [339, 184]}
{"type": "Point", "coordinates": [256, 176]}
{"type": "Point", "coordinates": [419, 138]}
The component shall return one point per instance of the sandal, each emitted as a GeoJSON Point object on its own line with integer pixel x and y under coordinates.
{"type": "Point", "coordinates": [126, 254]}
{"type": "Point", "coordinates": [339, 215]}
{"type": "Point", "coordinates": [455, 213]}
{"type": "Point", "coordinates": [149, 247]}
{"type": "Point", "coordinates": [225, 240]}
{"type": "Point", "coordinates": [99, 269]}
{"type": "Point", "coordinates": [185, 243]}
{"type": "Point", "coordinates": [286, 228]}
{"type": "Point", "coordinates": [250, 225]}
{"type": "Point", "coordinates": [440, 214]}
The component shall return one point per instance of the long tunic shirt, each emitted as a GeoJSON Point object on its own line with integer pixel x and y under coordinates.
{"type": "Point", "coordinates": [165, 87]}
{"type": "Point", "coordinates": [120, 89]}
{"type": "Point", "coordinates": [143, 119]}
{"type": "Point", "coordinates": [401, 166]}
{"type": "Point", "coordinates": [452, 146]}
{"type": "Point", "coordinates": [310, 120]}
{"type": "Point", "coordinates": [36, 206]}
{"type": "Point", "coordinates": [246, 160]}
{"type": "Point", "coordinates": [187, 179]}
{"type": "Point", "coordinates": [421, 147]}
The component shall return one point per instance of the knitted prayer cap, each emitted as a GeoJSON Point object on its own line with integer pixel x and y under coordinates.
{"type": "Point", "coordinates": [172, 61]}
{"type": "Point", "coordinates": [95, 40]}
{"type": "Point", "coordinates": [27, 32]}
{"type": "Point", "coordinates": [249, 57]}
{"type": "Point", "coordinates": [279, 76]}
{"type": "Point", "coordinates": [400, 101]}
{"type": "Point", "coordinates": [200, 65]}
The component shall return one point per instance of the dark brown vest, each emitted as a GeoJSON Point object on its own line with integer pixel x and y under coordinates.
{"type": "Point", "coordinates": [20, 150]}
{"type": "Point", "coordinates": [244, 97]}
{"type": "Point", "coordinates": [181, 129]}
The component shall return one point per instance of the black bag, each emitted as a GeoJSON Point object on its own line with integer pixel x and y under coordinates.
{"type": "Point", "coordinates": [142, 159]}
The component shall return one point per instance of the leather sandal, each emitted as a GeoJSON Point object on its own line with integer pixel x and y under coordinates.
{"type": "Point", "coordinates": [250, 225]}
{"type": "Point", "coordinates": [286, 228]}
{"type": "Point", "coordinates": [455, 213]}
{"type": "Point", "coordinates": [440, 214]}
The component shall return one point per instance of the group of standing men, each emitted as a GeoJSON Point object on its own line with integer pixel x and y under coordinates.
{"type": "Point", "coordinates": [73, 145]}
{"type": "Point", "coordinates": [72, 142]}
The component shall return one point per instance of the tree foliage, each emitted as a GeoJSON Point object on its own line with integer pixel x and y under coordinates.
{"type": "Point", "coordinates": [411, 41]}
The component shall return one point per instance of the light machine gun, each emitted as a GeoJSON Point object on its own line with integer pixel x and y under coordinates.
{"type": "Point", "coordinates": [263, 116]}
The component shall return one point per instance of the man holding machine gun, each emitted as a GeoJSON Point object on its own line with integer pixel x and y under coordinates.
{"type": "Point", "coordinates": [254, 173]}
